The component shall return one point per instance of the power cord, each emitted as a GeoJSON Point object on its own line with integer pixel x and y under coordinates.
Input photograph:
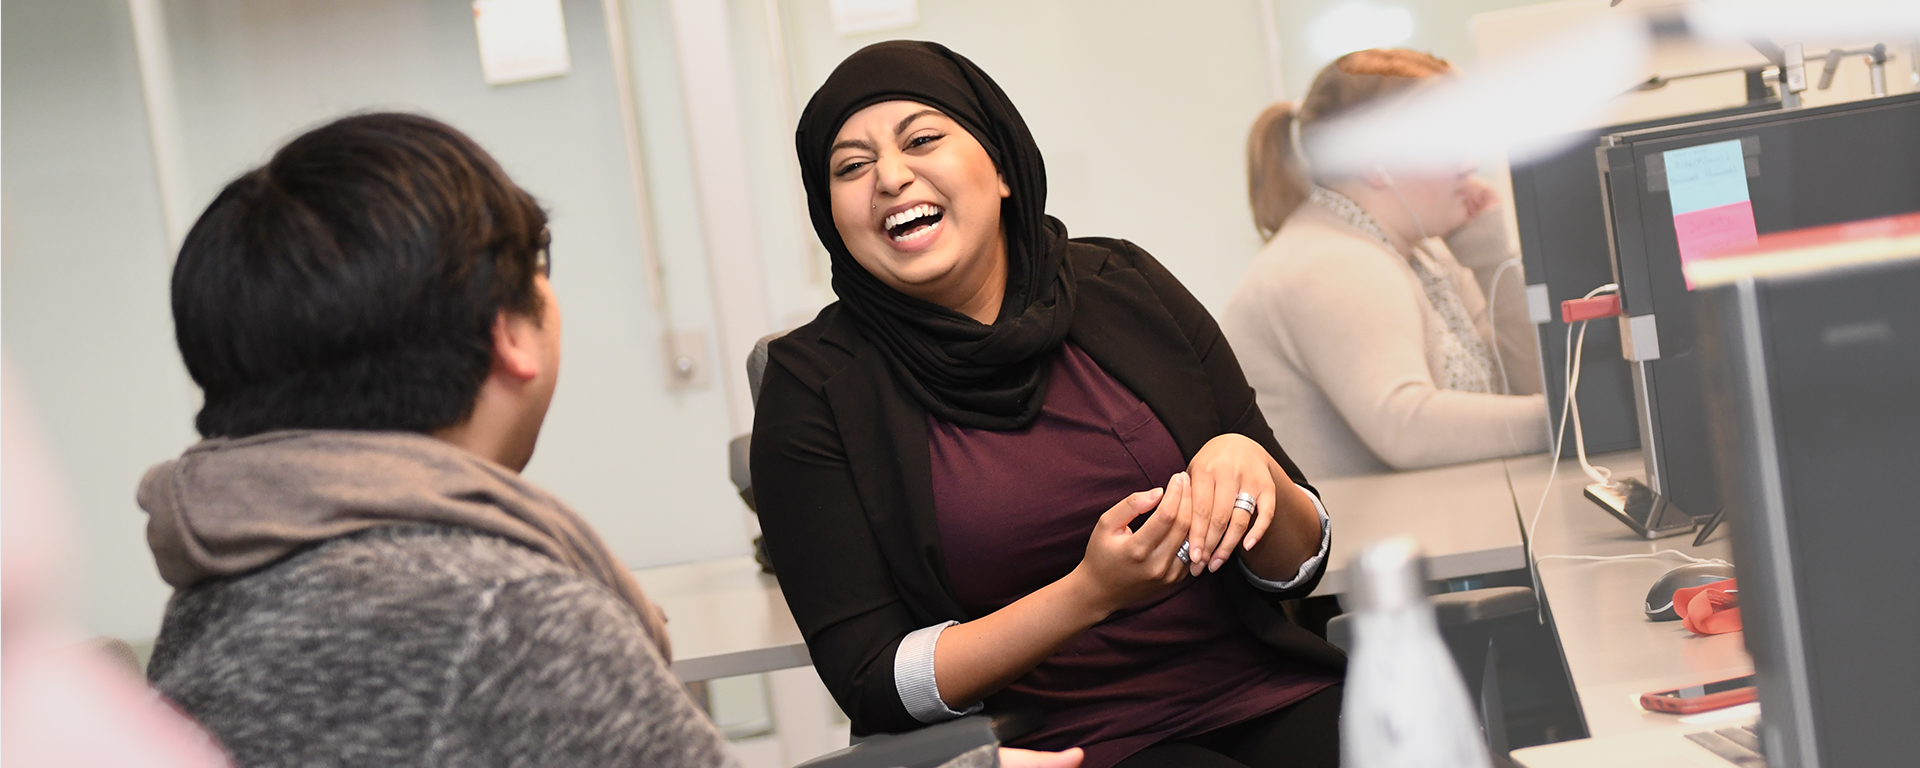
{"type": "Point", "coordinates": [1493, 333]}
{"type": "Point", "coordinates": [1569, 410]}
{"type": "Point", "coordinates": [1493, 326]}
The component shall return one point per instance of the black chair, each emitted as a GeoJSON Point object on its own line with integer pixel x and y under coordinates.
{"type": "Point", "coordinates": [921, 748]}
{"type": "Point", "coordinates": [932, 745]}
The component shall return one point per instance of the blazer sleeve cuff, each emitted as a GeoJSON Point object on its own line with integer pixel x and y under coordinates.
{"type": "Point", "coordinates": [913, 677]}
{"type": "Point", "coordinates": [1307, 568]}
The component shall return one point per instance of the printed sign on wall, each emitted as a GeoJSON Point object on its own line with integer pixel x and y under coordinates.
{"type": "Point", "coordinates": [521, 40]}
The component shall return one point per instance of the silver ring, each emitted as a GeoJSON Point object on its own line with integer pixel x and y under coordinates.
{"type": "Point", "coordinates": [1244, 501]}
{"type": "Point", "coordinates": [1182, 554]}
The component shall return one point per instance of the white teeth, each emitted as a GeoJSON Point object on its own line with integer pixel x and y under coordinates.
{"type": "Point", "coordinates": [918, 233]}
{"type": "Point", "coordinates": [923, 209]}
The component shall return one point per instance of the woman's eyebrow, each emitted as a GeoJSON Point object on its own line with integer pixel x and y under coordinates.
{"type": "Point", "coordinates": [902, 127]}
{"type": "Point", "coordinates": [850, 144]}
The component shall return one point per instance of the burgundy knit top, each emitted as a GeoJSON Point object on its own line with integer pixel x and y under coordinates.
{"type": "Point", "coordinates": [1015, 510]}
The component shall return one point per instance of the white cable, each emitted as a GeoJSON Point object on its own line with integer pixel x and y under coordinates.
{"type": "Point", "coordinates": [1553, 459]}
{"type": "Point", "coordinates": [1493, 333]}
{"type": "Point", "coordinates": [1640, 556]}
{"type": "Point", "coordinates": [1571, 372]}
{"type": "Point", "coordinates": [1601, 475]}
{"type": "Point", "coordinates": [1493, 322]}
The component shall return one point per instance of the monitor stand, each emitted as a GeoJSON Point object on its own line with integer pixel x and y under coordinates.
{"type": "Point", "coordinates": [1644, 510]}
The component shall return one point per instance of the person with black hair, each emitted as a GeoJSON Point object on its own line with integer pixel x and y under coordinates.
{"type": "Point", "coordinates": [952, 460]}
{"type": "Point", "coordinates": [361, 574]}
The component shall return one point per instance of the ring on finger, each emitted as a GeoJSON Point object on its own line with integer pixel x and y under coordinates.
{"type": "Point", "coordinates": [1182, 554]}
{"type": "Point", "coordinates": [1244, 503]}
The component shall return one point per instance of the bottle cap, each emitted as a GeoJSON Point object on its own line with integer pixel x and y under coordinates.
{"type": "Point", "coordinates": [1389, 575]}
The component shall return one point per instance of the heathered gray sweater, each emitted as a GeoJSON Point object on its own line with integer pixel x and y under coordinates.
{"type": "Point", "coordinates": [425, 646]}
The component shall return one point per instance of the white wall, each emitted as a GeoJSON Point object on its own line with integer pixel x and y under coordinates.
{"type": "Point", "coordinates": [643, 463]}
{"type": "Point", "coordinates": [86, 322]}
{"type": "Point", "coordinates": [1139, 107]}
{"type": "Point", "coordinates": [86, 316]}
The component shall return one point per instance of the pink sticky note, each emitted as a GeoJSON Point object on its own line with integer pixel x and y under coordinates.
{"type": "Point", "coordinates": [1710, 232]}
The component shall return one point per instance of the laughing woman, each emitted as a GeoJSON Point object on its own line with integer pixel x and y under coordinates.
{"type": "Point", "coordinates": [949, 458]}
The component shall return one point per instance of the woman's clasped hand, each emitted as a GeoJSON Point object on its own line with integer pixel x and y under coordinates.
{"type": "Point", "coordinates": [1124, 566]}
{"type": "Point", "coordinates": [1192, 525]}
{"type": "Point", "coordinates": [1227, 468]}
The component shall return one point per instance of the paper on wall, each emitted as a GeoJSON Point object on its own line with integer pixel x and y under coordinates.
{"type": "Point", "coordinates": [521, 40]}
{"type": "Point", "coordinates": [852, 17]}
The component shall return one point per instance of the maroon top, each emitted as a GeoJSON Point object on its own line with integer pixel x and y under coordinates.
{"type": "Point", "coordinates": [1015, 510]}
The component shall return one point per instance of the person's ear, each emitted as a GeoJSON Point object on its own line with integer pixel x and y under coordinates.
{"type": "Point", "coordinates": [516, 341]}
{"type": "Point", "coordinates": [1005, 191]}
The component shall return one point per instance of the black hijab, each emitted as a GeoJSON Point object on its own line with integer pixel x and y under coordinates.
{"type": "Point", "coordinates": [985, 376]}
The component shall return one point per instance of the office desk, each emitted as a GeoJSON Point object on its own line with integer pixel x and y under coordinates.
{"type": "Point", "coordinates": [1613, 653]}
{"type": "Point", "coordinates": [725, 618]}
{"type": "Point", "coordinates": [1461, 515]}
{"type": "Point", "coordinates": [1664, 747]}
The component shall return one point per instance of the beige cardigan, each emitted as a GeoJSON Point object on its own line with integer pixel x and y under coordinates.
{"type": "Point", "coordinates": [1338, 339]}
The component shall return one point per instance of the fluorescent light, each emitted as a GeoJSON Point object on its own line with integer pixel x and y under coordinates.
{"type": "Point", "coordinates": [1527, 104]}
{"type": "Point", "coordinates": [1795, 21]}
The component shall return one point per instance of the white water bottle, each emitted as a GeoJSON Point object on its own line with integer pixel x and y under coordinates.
{"type": "Point", "coordinates": [1404, 705]}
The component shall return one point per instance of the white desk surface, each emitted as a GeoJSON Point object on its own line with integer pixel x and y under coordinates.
{"type": "Point", "coordinates": [1613, 652]}
{"type": "Point", "coordinates": [1462, 516]}
{"type": "Point", "coordinates": [725, 618]}
{"type": "Point", "coordinates": [1664, 747]}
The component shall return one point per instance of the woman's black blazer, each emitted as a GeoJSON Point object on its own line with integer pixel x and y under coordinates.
{"type": "Point", "coordinates": [843, 478]}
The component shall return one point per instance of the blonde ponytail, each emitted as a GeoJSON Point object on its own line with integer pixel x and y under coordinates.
{"type": "Point", "coordinates": [1277, 178]}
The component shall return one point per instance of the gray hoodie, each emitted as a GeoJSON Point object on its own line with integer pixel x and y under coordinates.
{"type": "Point", "coordinates": [430, 646]}
{"type": "Point", "coordinates": [386, 599]}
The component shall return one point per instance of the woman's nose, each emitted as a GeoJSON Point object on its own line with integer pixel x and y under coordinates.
{"type": "Point", "coordinates": [892, 174]}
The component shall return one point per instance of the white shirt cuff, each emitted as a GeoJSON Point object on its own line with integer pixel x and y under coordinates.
{"type": "Point", "coordinates": [913, 677]}
{"type": "Point", "coordinates": [1306, 568]}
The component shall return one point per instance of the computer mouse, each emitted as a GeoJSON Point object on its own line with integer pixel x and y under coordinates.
{"type": "Point", "coordinates": [1660, 598]}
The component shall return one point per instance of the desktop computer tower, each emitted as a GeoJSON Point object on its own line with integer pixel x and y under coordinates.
{"type": "Point", "coordinates": [1563, 251]}
{"type": "Point", "coordinates": [1796, 169]}
{"type": "Point", "coordinates": [1812, 378]}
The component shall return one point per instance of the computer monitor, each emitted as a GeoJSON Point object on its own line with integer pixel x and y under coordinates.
{"type": "Point", "coordinates": [1563, 250]}
{"type": "Point", "coordinates": [1810, 377]}
{"type": "Point", "coordinates": [1790, 170]}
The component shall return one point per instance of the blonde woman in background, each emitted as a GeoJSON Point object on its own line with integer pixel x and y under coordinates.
{"type": "Point", "coordinates": [1363, 324]}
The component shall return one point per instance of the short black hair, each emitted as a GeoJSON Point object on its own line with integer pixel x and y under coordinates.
{"type": "Point", "coordinates": [352, 282]}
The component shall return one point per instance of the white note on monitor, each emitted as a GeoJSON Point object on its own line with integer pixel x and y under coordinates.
{"type": "Point", "coordinates": [521, 40]}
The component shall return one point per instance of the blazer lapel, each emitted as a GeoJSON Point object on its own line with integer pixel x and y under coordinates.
{"type": "Point", "coordinates": [1121, 324]}
{"type": "Point", "coordinates": [884, 433]}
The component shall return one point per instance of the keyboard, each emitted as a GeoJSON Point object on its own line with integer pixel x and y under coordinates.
{"type": "Point", "coordinates": [1739, 745]}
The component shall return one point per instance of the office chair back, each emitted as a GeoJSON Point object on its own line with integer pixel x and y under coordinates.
{"type": "Point", "coordinates": [740, 449]}
{"type": "Point", "coordinates": [927, 746]}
